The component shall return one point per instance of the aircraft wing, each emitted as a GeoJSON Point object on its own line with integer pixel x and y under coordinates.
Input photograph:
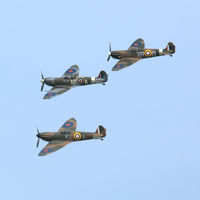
{"type": "Point", "coordinates": [72, 72]}
{"type": "Point", "coordinates": [53, 146]}
{"type": "Point", "coordinates": [138, 44]}
{"type": "Point", "coordinates": [56, 91]}
{"type": "Point", "coordinates": [69, 125]}
{"type": "Point", "coordinates": [125, 62]}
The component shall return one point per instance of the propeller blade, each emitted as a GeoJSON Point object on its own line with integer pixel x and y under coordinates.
{"type": "Point", "coordinates": [42, 75]}
{"type": "Point", "coordinates": [110, 47]}
{"type": "Point", "coordinates": [42, 87]}
{"type": "Point", "coordinates": [38, 141]}
{"type": "Point", "coordinates": [109, 54]}
{"type": "Point", "coordinates": [42, 81]}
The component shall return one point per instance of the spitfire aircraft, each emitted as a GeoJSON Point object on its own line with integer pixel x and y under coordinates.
{"type": "Point", "coordinates": [70, 79]}
{"type": "Point", "coordinates": [137, 52]}
{"type": "Point", "coordinates": [65, 135]}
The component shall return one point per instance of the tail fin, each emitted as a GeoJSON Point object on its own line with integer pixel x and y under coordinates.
{"type": "Point", "coordinates": [170, 47]}
{"type": "Point", "coordinates": [101, 130]}
{"type": "Point", "coordinates": [103, 75]}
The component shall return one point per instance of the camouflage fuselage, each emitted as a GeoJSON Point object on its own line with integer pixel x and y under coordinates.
{"type": "Point", "coordinates": [65, 81]}
{"type": "Point", "coordinates": [70, 136]}
{"type": "Point", "coordinates": [137, 53]}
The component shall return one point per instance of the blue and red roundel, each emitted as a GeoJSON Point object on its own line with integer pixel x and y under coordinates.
{"type": "Point", "coordinates": [45, 150]}
{"type": "Point", "coordinates": [71, 71]}
{"type": "Point", "coordinates": [136, 44]}
{"type": "Point", "coordinates": [118, 66]}
{"type": "Point", "coordinates": [68, 124]}
{"type": "Point", "coordinates": [50, 94]}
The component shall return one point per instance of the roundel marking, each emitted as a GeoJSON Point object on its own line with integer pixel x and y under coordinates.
{"type": "Point", "coordinates": [77, 136]}
{"type": "Point", "coordinates": [148, 53]}
{"type": "Point", "coordinates": [118, 66]}
{"type": "Point", "coordinates": [80, 80]}
{"type": "Point", "coordinates": [136, 44]}
{"type": "Point", "coordinates": [50, 94]}
{"type": "Point", "coordinates": [68, 124]}
{"type": "Point", "coordinates": [46, 150]}
{"type": "Point", "coordinates": [70, 71]}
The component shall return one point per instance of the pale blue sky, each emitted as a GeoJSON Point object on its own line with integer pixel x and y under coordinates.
{"type": "Point", "coordinates": [151, 109]}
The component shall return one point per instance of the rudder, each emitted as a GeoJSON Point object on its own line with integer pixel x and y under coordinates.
{"type": "Point", "coordinates": [103, 75]}
{"type": "Point", "coordinates": [101, 130]}
{"type": "Point", "coordinates": [171, 47]}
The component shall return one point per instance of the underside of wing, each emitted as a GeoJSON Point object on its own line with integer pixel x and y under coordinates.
{"type": "Point", "coordinates": [72, 72]}
{"type": "Point", "coordinates": [55, 91]}
{"type": "Point", "coordinates": [53, 146]}
{"type": "Point", "coordinates": [125, 62]}
{"type": "Point", "coordinates": [138, 44]}
{"type": "Point", "coordinates": [69, 125]}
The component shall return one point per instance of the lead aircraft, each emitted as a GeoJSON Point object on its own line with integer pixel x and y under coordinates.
{"type": "Point", "coordinates": [137, 52]}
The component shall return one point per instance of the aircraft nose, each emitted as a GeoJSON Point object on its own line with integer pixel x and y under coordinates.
{"type": "Point", "coordinates": [38, 135]}
{"type": "Point", "coordinates": [49, 81]}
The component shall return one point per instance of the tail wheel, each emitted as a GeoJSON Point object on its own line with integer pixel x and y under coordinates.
{"type": "Point", "coordinates": [80, 80]}
{"type": "Point", "coordinates": [77, 136]}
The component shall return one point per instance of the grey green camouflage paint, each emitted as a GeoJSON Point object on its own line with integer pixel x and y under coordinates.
{"type": "Point", "coordinates": [71, 79]}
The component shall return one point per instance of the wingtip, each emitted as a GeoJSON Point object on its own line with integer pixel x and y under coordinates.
{"type": "Point", "coordinates": [45, 97]}
{"type": "Point", "coordinates": [75, 66]}
{"type": "Point", "coordinates": [43, 154]}
{"type": "Point", "coordinates": [73, 119]}
{"type": "Point", "coordinates": [115, 69]}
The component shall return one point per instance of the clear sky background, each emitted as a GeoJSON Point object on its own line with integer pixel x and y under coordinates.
{"type": "Point", "coordinates": [150, 109]}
